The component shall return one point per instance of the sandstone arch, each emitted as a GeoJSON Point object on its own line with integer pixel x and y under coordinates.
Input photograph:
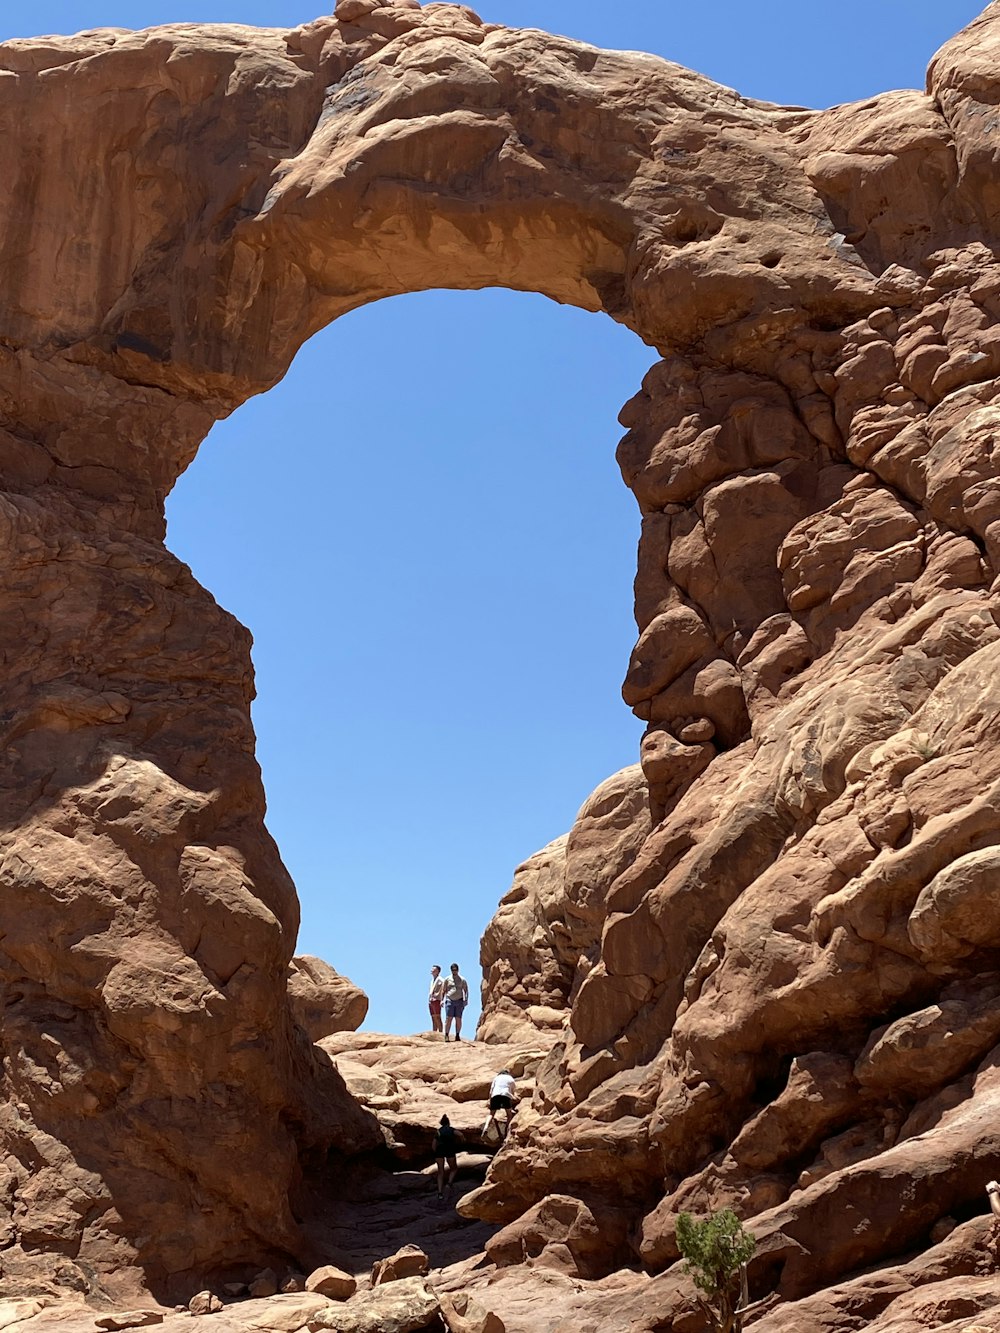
{"type": "Point", "coordinates": [813, 461]}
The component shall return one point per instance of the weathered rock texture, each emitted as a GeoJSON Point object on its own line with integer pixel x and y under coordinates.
{"type": "Point", "coordinates": [546, 934]}
{"type": "Point", "coordinates": [778, 998]}
{"type": "Point", "coordinates": [409, 1083]}
{"type": "Point", "coordinates": [323, 1002]}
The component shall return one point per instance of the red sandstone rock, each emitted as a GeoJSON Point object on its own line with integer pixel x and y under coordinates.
{"type": "Point", "coordinates": [564, 1233]}
{"type": "Point", "coordinates": [405, 1306]}
{"type": "Point", "coordinates": [122, 1319]}
{"type": "Point", "coordinates": [766, 965]}
{"type": "Point", "coordinates": [204, 1302]}
{"type": "Point", "coordinates": [264, 1284]}
{"type": "Point", "coordinates": [410, 1261]}
{"type": "Point", "coordinates": [463, 1315]}
{"type": "Point", "coordinates": [331, 1282]}
{"type": "Point", "coordinates": [546, 934]}
{"type": "Point", "coordinates": [322, 1001]}
{"type": "Point", "coordinates": [408, 1083]}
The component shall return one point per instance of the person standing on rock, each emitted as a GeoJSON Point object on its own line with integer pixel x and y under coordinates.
{"type": "Point", "coordinates": [503, 1097]}
{"type": "Point", "coordinates": [445, 1149]}
{"type": "Point", "coordinates": [456, 997]}
{"type": "Point", "coordinates": [435, 997]}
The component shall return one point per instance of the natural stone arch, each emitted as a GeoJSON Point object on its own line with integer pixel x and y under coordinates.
{"type": "Point", "coordinates": [217, 219]}
{"type": "Point", "coordinates": [256, 185]}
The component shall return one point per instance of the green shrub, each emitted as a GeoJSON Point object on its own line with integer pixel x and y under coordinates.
{"type": "Point", "coordinates": [717, 1250]}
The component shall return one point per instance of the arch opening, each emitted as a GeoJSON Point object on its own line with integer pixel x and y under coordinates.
{"type": "Point", "coordinates": [436, 563]}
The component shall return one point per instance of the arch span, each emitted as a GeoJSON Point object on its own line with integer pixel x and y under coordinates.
{"type": "Point", "coordinates": [164, 262]}
{"type": "Point", "coordinates": [254, 185]}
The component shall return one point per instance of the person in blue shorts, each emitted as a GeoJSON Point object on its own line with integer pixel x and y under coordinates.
{"type": "Point", "coordinates": [456, 997]}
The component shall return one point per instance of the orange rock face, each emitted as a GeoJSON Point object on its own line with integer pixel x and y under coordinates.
{"type": "Point", "coordinates": [773, 955]}
{"type": "Point", "coordinates": [324, 1002]}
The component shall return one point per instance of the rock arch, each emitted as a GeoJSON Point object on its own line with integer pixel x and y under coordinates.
{"type": "Point", "coordinates": [822, 287]}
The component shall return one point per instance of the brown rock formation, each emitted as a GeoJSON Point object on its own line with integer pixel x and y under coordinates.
{"type": "Point", "coordinates": [409, 1083]}
{"type": "Point", "coordinates": [322, 1001]}
{"type": "Point", "coordinates": [762, 995]}
{"type": "Point", "coordinates": [546, 934]}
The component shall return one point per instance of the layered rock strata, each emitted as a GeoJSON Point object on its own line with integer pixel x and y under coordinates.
{"type": "Point", "coordinates": [776, 1000]}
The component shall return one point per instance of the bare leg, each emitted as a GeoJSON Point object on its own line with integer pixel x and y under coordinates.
{"type": "Point", "coordinates": [458, 1027]}
{"type": "Point", "coordinates": [452, 1169]}
{"type": "Point", "coordinates": [440, 1177]}
{"type": "Point", "coordinates": [447, 1027]}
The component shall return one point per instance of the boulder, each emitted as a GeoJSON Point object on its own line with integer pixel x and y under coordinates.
{"type": "Point", "coordinates": [410, 1261]}
{"type": "Point", "coordinates": [264, 1284]}
{"type": "Point", "coordinates": [403, 1306]}
{"type": "Point", "coordinates": [282, 1314]}
{"type": "Point", "coordinates": [564, 1233]}
{"type": "Point", "coordinates": [322, 1001]}
{"type": "Point", "coordinates": [462, 1314]}
{"type": "Point", "coordinates": [204, 1302]}
{"type": "Point", "coordinates": [331, 1282]}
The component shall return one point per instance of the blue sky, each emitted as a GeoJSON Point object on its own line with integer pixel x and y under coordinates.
{"type": "Point", "coordinates": [424, 527]}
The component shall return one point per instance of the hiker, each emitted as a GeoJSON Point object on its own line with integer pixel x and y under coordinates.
{"type": "Point", "coordinates": [445, 1148]}
{"type": "Point", "coordinates": [435, 997]}
{"type": "Point", "coordinates": [503, 1097]}
{"type": "Point", "coordinates": [456, 997]}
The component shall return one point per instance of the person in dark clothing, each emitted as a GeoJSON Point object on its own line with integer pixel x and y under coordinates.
{"type": "Point", "coordinates": [445, 1148]}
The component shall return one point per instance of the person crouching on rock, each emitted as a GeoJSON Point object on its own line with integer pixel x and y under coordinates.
{"type": "Point", "coordinates": [503, 1097]}
{"type": "Point", "coordinates": [456, 997]}
{"type": "Point", "coordinates": [434, 998]}
{"type": "Point", "coordinates": [445, 1148]}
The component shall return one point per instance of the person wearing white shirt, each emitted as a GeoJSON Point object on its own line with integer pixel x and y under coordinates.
{"type": "Point", "coordinates": [435, 997]}
{"type": "Point", "coordinates": [456, 997]}
{"type": "Point", "coordinates": [503, 1097]}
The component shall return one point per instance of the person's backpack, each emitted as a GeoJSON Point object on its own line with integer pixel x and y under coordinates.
{"type": "Point", "coordinates": [445, 1142]}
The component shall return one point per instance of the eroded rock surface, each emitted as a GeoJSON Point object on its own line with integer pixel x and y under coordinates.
{"type": "Point", "coordinates": [769, 963]}
{"type": "Point", "coordinates": [546, 934]}
{"type": "Point", "coordinates": [409, 1083]}
{"type": "Point", "coordinates": [322, 1001]}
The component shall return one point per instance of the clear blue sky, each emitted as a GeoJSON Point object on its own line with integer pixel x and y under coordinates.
{"type": "Point", "coordinates": [425, 530]}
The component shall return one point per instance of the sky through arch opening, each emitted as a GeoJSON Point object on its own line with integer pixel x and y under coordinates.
{"type": "Point", "coordinates": [424, 528]}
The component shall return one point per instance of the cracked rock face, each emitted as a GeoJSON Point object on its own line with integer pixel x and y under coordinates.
{"type": "Point", "coordinates": [767, 957]}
